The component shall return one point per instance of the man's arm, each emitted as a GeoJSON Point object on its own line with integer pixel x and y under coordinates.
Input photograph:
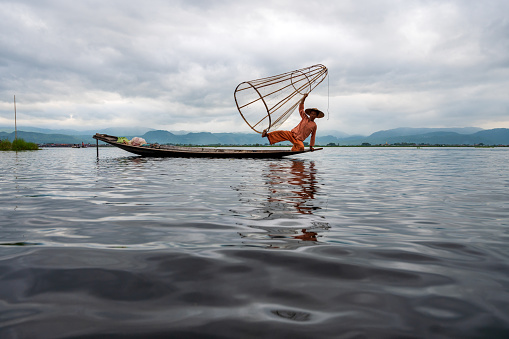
{"type": "Point", "coordinates": [312, 141]}
{"type": "Point", "coordinates": [301, 106]}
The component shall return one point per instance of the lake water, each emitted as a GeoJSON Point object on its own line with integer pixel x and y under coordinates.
{"type": "Point", "coordinates": [339, 243]}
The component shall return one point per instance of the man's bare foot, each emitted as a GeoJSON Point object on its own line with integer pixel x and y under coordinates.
{"type": "Point", "coordinates": [264, 133]}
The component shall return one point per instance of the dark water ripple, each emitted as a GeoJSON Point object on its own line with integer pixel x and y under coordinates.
{"type": "Point", "coordinates": [342, 243]}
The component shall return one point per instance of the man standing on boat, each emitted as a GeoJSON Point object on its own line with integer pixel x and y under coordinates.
{"type": "Point", "coordinates": [297, 135]}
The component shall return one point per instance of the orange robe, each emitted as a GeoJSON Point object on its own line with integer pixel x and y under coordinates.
{"type": "Point", "coordinates": [297, 135]}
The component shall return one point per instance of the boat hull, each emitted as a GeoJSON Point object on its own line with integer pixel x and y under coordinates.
{"type": "Point", "coordinates": [162, 151]}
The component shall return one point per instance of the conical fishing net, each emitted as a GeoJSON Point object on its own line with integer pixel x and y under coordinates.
{"type": "Point", "coordinates": [266, 103]}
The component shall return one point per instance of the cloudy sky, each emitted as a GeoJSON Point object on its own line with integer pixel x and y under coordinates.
{"type": "Point", "coordinates": [174, 65]}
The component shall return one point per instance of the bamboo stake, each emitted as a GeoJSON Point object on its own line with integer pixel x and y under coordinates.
{"type": "Point", "coordinates": [15, 124]}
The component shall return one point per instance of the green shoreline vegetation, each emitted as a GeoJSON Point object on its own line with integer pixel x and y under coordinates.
{"type": "Point", "coordinates": [18, 145]}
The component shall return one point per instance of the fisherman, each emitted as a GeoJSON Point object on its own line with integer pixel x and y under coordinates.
{"type": "Point", "coordinates": [297, 135]}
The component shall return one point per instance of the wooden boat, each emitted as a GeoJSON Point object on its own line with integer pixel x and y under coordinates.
{"type": "Point", "coordinates": [155, 150]}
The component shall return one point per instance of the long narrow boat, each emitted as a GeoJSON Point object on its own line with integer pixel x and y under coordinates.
{"type": "Point", "coordinates": [155, 150]}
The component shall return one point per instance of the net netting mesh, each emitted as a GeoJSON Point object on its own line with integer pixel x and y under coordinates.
{"type": "Point", "coordinates": [266, 103]}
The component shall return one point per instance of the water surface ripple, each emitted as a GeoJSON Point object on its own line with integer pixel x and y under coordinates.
{"type": "Point", "coordinates": [341, 243]}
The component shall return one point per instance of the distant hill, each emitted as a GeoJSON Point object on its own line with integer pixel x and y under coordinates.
{"type": "Point", "coordinates": [43, 138]}
{"type": "Point", "coordinates": [408, 131]}
{"type": "Point", "coordinates": [498, 136]}
{"type": "Point", "coordinates": [134, 131]}
{"type": "Point", "coordinates": [334, 133]}
{"type": "Point", "coordinates": [494, 136]}
{"type": "Point", "coordinates": [432, 136]}
{"type": "Point", "coordinates": [204, 138]}
{"type": "Point", "coordinates": [160, 137]}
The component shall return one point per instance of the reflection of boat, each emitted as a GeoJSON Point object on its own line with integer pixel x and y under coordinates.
{"type": "Point", "coordinates": [205, 152]}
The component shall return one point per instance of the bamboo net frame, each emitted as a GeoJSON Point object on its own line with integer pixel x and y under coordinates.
{"type": "Point", "coordinates": [266, 103]}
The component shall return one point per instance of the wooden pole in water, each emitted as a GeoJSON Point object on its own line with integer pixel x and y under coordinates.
{"type": "Point", "coordinates": [97, 147]}
{"type": "Point", "coordinates": [15, 124]}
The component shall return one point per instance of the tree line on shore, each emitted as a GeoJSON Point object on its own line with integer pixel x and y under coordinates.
{"type": "Point", "coordinates": [17, 145]}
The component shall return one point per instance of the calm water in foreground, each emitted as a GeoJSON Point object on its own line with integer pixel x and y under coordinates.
{"type": "Point", "coordinates": [340, 243]}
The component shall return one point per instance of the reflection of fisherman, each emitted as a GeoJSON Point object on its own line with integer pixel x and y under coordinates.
{"type": "Point", "coordinates": [297, 135]}
{"type": "Point", "coordinates": [306, 183]}
{"type": "Point", "coordinates": [304, 179]}
{"type": "Point", "coordinates": [306, 236]}
{"type": "Point", "coordinates": [299, 188]}
{"type": "Point", "coordinates": [291, 189]}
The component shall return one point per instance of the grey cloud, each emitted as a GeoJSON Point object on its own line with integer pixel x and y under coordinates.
{"type": "Point", "coordinates": [396, 63]}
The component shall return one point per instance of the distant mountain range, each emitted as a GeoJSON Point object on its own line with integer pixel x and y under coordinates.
{"type": "Point", "coordinates": [111, 131]}
{"type": "Point", "coordinates": [432, 136]}
{"type": "Point", "coordinates": [435, 136]}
